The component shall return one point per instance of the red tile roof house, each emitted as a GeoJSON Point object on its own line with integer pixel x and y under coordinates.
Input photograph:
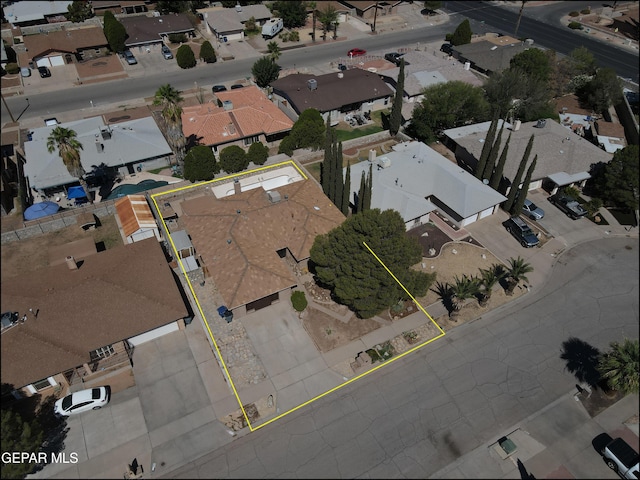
{"type": "Point", "coordinates": [241, 117]}
{"type": "Point", "coordinates": [336, 94]}
{"type": "Point", "coordinates": [83, 315]}
{"type": "Point", "coordinates": [61, 47]}
{"type": "Point", "coordinates": [250, 232]}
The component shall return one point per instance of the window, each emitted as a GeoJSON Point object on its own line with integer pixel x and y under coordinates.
{"type": "Point", "coordinates": [42, 384]}
{"type": "Point", "coordinates": [103, 352]}
{"type": "Point", "coordinates": [250, 140]}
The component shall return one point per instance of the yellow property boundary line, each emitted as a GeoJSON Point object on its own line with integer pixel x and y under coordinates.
{"type": "Point", "coordinates": [206, 322]}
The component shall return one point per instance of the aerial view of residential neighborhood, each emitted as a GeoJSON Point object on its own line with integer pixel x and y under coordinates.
{"type": "Point", "coordinates": [320, 239]}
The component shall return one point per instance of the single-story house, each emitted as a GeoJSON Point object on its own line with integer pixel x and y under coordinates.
{"type": "Point", "coordinates": [227, 24]}
{"type": "Point", "coordinates": [120, 6]}
{"type": "Point", "coordinates": [128, 146]}
{"type": "Point", "coordinates": [22, 14]}
{"type": "Point", "coordinates": [57, 48]}
{"type": "Point", "coordinates": [135, 220]}
{"type": "Point", "coordinates": [78, 321]}
{"type": "Point", "coordinates": [491, 55]}
{"type": "Point", "coordinates": [144, 30]}
{"type": "Point", "coordinates": [341, 10]}
{"type": "Point", "coordinates": [250, 230]}
{"type": "Point", "coordinates": [241, 117]}
{"type": "Point", "coordinates": [610, 136]}
{"type": "Point", "coordinates": [563, 158]}
{"type": "Point", "coordinates": [415, 180]}
{"type": "Point", "coordinates": [335, 94]}
{"type": "Point", "coordinates": [366, 9]}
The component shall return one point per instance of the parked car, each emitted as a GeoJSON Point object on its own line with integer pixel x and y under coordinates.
{"type": "Point", "coordinates": [447, 48]}
{"type": "Point", "coordinates": [166, 52]}
{"type": "Point", "coordinates": [25, 72]}
{"type": "Point", "coordinates": [532, 211]}
{"type": "Point", "coordinates": [9, 319]}
{"type": "Point", "coordinates": [621, 458]}
{"type": "Point", "coordinates": [356, 52]}
{"type": "Point", "coordinates": [394, 57]}
{"type": "Point", "coordinates": [128, 56]}
{"type": "Point", "coordinates": [522, 232]}
{"type": "Point", "coordinates": [236, 86]}
{"type": "Point", "coordinates": [44, 72]}
{"type": "Point", "coordinates": [219, 88]}
{"type": "Point", "coordinates": [82, 401]}
{"type": "Point", "coordinates": [568, 205]}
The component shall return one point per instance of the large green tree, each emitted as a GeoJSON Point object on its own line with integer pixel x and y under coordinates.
{"type": "Point", "coordinates": [432, 5]}
{"type": "Point", "coordinates": [185, 57]}
{"type": "Point", "coordinates": [516, 209]}
{"type": "Point", "coordinates": [207, 53]}
{"type": "Point", "coordinates": [515, 181]}
{"type": "Point", "coordinates": [496, 176]}
{"type": "Point", "coordinates": [620, 367]}
{"type": "Point", "coordinates": [346, 192]}
{"type": "Point", "coordinates": [258, 153]}
{"type": "Point", "coordinates": [165, 7]}
{"type": "Point", "coordinates": [395, 120]}
{"type": "Point", "coordinates": [486, 147]}
{"type": "Point", "coordinates": [307, 132]}
{"type": "Point", "coordinates": [621, 174]}
{"type": "Point", "coordinates": [114, 32]}
{"type": "Point", "coordinates": [65, 140]}
{"type": "Point", "coordinates": [493, 156]}
{"type": "Point", "coordinates": [200, 164]}
{"type": "Point", "coordinates": [603, 91]}
{"type": "Point", "coordinates": [169, 98]}
{"type": "Point", "coordinates": [19, 435]}
{"type": "Point", "coordinates": [265, 71]}
{"type": "Point", "coordinates": [233, 159]}
{"type": "Point", "coordinates": [79, 11]}
{"type": "Point", "coordinates": [533, 62]}
{"type": "Point", "coordinates": [462, 34]}
{"type": "Point", "coordinates": [293, 14]}
{"type": "Point", "coordinates": [447, 105]}
{"type": "Point", "coordinates": [342, 262]}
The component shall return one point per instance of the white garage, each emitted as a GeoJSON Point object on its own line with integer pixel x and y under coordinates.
{"type": "Point", "coordinates": [54, 61]}
{"type": "Point", "coordinates": [155, 333]}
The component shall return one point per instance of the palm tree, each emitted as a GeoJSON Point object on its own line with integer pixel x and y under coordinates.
{"type": "Point", "coordinates": [516, 272]}
{"type": "Point", "coordinates": [169, 98]}
{"type": "Point", "coordinates": [489, 277]}
{"type": "Point", "coordinates": [463, 289]}
{"type": "Point", "coordinates": [66, 142]}
{"type": "Point", "coordinates": [327, 18]}
{"type": "Point", "coordinates": [274, 50]}
{"type": "Point", "coordinates": [312, 6]}
{"type": "Point", "coordinates": [621, 366]}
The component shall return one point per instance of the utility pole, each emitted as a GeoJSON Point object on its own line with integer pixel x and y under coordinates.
{"type": "Point", "coordinates": [375, 16]}
{"type": "Point", "coordinates": [13, 120]}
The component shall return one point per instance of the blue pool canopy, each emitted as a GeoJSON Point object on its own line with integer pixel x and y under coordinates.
{"type": "Point", "coordinates": [76, 192]}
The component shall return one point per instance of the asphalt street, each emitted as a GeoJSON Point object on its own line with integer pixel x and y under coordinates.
{"type": "Point", "coordinates": [416, 416]}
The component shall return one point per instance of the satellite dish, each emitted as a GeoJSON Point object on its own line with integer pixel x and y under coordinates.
{"type": "Point", "coordinates": [485, 181]}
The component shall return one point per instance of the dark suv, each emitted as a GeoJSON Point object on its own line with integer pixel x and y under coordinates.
{"type": "Point", "coordinates": [394, 57]}
{"type": "Point", "coordinates": [522, 232]}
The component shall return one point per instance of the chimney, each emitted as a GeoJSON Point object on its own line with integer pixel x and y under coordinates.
{"type": "Point", "coordinates": [71, 263]}
{"type": "Point", "coordinates": [237, 188]}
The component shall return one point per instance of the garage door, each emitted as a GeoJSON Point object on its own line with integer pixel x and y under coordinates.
{"type": "Point", "coordinates": [158, 332]}
{"type": "Point", "coordinates": [57, 61]}
{"type": "Point", "coordinates": [43, 62]}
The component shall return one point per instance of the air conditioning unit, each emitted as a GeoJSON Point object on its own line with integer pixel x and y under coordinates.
{"type": "Point", "coordinates": [312, 84]}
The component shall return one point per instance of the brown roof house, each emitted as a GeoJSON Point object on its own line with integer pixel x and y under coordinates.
{"type": "Point", "coordinates": [239, 117]}
{"type": "Point", "coordinates": [493, 54]}
{"type": "Point", "coordinates": [143, 30]}
{"type": "Point", "coordinates": [250, 231]}
{"type": "Point", "coordinates": [135, 220]}
{"type": "Point", "coordinates": [120, 6]}
{"type": "Point", "coordinates": [77, 321]}
{"type": "Point", "coordinates": [57, 48]}
{"type": "Point", "coordinates": [366, 9]}
{"type": "Point", "coordinates": [336, 94]}
{"type": "Point", "coordinates": [227, 24]}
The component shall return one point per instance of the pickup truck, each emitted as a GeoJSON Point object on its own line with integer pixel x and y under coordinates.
{"type": "Point", "coordinates": [621, 458]}
{"type": "Point", "coordinates": [568, 205]}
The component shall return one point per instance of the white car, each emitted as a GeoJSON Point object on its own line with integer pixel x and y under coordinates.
{"type": "Point", "coordinates": [532, 211]}
{"type": "Point", "coordinates": [82, 401]}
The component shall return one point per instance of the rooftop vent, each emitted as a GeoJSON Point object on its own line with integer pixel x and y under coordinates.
{"type": "Point", "coordinates": [541, 123]}
{"type": "Point", "coordinates": [106, 133]}
{"type": "Point", "coordinates": [274, 196]}
{"type": "Point", "coordinates": [71, 263]}
{"type": "Point", "coordinates": [99, 145]}
{"type": "Point", "coordinates": [227, 105]}
{"type": "Point", "coordinates": [238, 7]}
{"type": "Point", "coordinates": [384, 162]}
{"type": "Point", "coordinates": [312, 84]}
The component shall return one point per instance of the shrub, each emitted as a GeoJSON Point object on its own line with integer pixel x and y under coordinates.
{"type": "Point", "coordinates": [574, 14]}
{"type": "Point", "coordinates": [200, 164]}
{"type": "Point", "coordinates": [572, 192]}
{"type": "Point", "coordinates": [592, 206]}
{"type": "Point", "coordinates": [185, 57]}
{"type": "Point", "coordinates": [258, 153]}
{"type": "Point", "coordinates": [207, 53]}
{"type": "Point", "coordinates": [585, 11]}
{"type": "Point", "coordinates": [298, 300]}
{"type": "Point", "coordinates": [13, 68]}
{"type": "Point", "coordinates": [287, 145]}
{"type": "Point", "coordinates": [233, 159]}
{"type": "Point", "coordinates": [575, 26]}
{"type": "Point", "coordinates": [294, 36]}
{"type": "Point", "coordinates": [177, 37]}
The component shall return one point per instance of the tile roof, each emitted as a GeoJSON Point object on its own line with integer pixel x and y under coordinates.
{"type": "Point", "coordinates": [69, 41]}
{"type": "Point", "coordinates": [142, 29]}
{"type": "Point", "coordinates": [252, 114]}
{"type": "Point", "coordinates": [132, 141]}
{"type": "Point", "coordinates": [134, 213]}
{"type": "Point", "coordinates": [240, 249]}
{"type": "Point", "coordinates": [334, 91]}
{"type": "Point", "coordinates": [555, 153]}
{"type": "Point", "coordinates": [114, 295]}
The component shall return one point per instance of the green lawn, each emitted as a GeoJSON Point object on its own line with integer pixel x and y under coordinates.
{"type": "Point", "coordinates": [358, 132]}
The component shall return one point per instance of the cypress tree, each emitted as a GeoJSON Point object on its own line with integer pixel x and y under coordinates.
{"type": "Point", "coordinates": [517, 207]}
{"type": "Point", "coordinates": [493, 156]}
{"type": "Point", "coordinates": [395, 120]}
{"type": "Point", "coordinates": [363, 187]}
{"type": "Point", "coordinates": [346, 191]}
{"type": "Point", "coordinates": [486, 148]}
{"type": "Point", "coordinates": [332, 174]}
{"type": "Point", "coordinates": [366, 201]}
{"type": "Point", "coordinates": [494, 182]}
{"type": "Point", "coordinates": [324, 174]}
{"type": "Point", "coordinates": [516, 181]}
{"type": "Point", "coordinates": [339, 180]}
